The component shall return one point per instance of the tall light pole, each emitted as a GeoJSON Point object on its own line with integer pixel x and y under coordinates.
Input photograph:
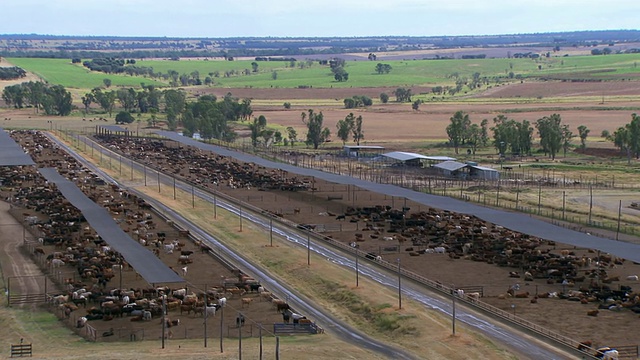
{"type": "Point", "coordinates": [453, 313]}
{"type": "Point", "coordinates": [308, 246]}
{"type": "Point", "coordinates": [399, 286]}
{"type": "Point", "coordinates": [355, 247]}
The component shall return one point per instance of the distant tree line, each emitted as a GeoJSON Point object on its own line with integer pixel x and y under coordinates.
{"type": "Point", "coordinates": [206, 116]}
{"type": "Point", "coordinates": [150, 47]}
{"type": "Point", "coordinates": [12, 73]}
{"type": "Point", "coordinates": [265, 58]}
{"type": "Point", "coordinates": [53, 99]}
{"type": "Point", "coordinates": [516, 138]}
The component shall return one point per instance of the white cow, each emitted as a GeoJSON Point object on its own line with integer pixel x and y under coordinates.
{"type": "Point", "coordinates": [222, 301]}
{"type": "Point", "coordinates": [610, 355]}
{"type": "Point", "coordinates": [211, 310]}
{"type": "Point", "coordinates": [57, 262]}
{"type": "Point", "coordinates": [632, 277]}
{"type": "Point", "coordinates": [440, 250]}
{"type": "Point", "coordinates": [168, 248]}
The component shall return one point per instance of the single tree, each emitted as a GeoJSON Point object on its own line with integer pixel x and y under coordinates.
{"type": "Point", "coordinates": [551, 134]}
{"type": "Point", "coordinates": [356, 130]}
{"type": "Point", "coordinates": [254, 67]}
{"type": "Point", "coordinates": [583, 132]}
{"type": "Point", "coordinates": [292, 135]}
{"type": "Point", "coordinates": [384, 98]}
{"type": "Point", "coordinates": [124, 117]}
{"type": "Point", "coordinates": [87, 99]}
{"type": "Point", "coordinates": [106, 82]}
{"type": "Point", "coordinates": [344, 127]}
{"type": "Point", "coordinates": [458, 129]}
{"type": "Point", "coordinates": [257, 128]}
{"type": "Point", "coordinates": [316, 134]}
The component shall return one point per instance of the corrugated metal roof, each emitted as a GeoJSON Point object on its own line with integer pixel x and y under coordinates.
{"type": "Point", "coordinates": [363, 147]}
{"type": "Point", "coordinates": [450, 165]}
{"type": "Point", "coordinates": [441, 158]}
{"type": "Point", "coordinates": [406, 156]}
{"type": "Point", "coordinates": [483, 168]}
{"type": "Point", "coordinates": [403, 156]}
{"type": "Point", "coordinates": [152, 269]}
{"type": "Point", "coordinates": [12, 154]}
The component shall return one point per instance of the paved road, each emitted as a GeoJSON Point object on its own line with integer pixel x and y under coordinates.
{"type": "Point", "coordinates": [515, 221]}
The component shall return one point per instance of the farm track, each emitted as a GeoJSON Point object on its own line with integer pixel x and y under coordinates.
{"type": "Point", "coordinates": [499, 333]}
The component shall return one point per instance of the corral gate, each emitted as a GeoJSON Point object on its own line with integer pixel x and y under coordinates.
{"type": "Point", "coordinates": [16, 296]}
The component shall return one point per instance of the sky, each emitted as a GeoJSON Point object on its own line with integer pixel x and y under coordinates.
{"type": "Point", "coordinates": [312, 18]}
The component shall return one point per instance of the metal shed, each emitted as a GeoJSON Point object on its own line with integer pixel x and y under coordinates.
{"type": "Point", "coordinates": [452, 169]}
{"type": "Point", "coordinates": [485, 173]}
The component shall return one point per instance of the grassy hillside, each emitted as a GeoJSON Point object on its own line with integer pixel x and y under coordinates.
{"type": "Point", "coordinates": [63, 72]}
{"type": "Point", "coordinates": [361, 73]}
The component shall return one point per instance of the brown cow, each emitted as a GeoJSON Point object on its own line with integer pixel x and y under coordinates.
{"type": "Point", "coordinates": [246, 301]}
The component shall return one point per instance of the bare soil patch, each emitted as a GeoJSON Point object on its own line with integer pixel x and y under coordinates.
{"type": "Point", "coordinates": [551, 89]}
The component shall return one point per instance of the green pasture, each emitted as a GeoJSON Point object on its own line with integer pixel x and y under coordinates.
{"type": "Point", "coordinates": [63, 72]}
{"type": "Point", "coordinates": [361, 73]}
{"type": "Point", "coordinates": [595, 67]}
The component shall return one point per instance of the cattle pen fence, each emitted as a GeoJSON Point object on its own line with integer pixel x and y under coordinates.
{"type": "Point", "coordinates": [506, 316]}
{"type": "Point", "coordinates": [21, 350]}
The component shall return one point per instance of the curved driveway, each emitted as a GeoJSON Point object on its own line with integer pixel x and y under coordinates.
{"type": "Point", "coordinates": [515, 221]}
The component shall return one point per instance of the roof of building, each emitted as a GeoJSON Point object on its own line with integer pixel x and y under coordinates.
{"type": "Point", "coordinates": [12, 154]}
{"type": "Point", "coordinates": [441, 158]}
{"type": "Point", "coordinates": [403, 156]}
{"type": "Point", "coordinates": [450, 165]}
{"type": "Point", "coordinates": [363, 147]}
{"type": "Point", "coordinates": [483, 168]}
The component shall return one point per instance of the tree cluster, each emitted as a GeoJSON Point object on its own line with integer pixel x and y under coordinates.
{"type": "Point", "coordinates": [403, 94]}
{"type": "Point", "coordinates": [54, 100]}
{"type": "Point", "coordinates": [317, 134]}
{"type": "Point", "coordinates": [337, 69]}
{"type": "Point", "coordinates": [511, 135]}
{"type": "Point", "coordinates": [12, 73]}
{"type": "Point", "coordinates": [357, 101]}
{"type": "Point", "coordinates": [627, 138]}
{"type": "Point", "coordinates": [383, 68]}
{"type": "Point", "coordinates": [554, 136]}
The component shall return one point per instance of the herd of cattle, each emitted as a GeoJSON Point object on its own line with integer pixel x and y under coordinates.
{"type": "Point", "coordinates": [66, 240]}
{"type": "Point", "coordinates": [203, 168]}
{"type": "Point", "coordinates": [418, 233]}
